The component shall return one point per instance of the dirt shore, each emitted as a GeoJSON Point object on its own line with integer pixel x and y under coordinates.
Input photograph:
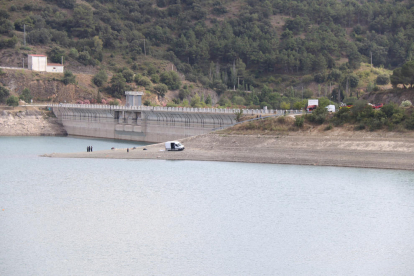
{"type": "Point", "coordinates": [367, 152]}
{"type": "Point", "coordinates": [28, 122]}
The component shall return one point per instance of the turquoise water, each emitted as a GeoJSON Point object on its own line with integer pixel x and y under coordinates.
{"type": "Point", "coordinates": [154, 217]}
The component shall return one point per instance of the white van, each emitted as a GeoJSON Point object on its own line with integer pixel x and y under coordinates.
{"type": "Point", "coordinates": [173, 145]}
{"type": "Point", "coordinates": [331, 108]}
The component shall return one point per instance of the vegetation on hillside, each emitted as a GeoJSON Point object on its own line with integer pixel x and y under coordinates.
{"type": "Point", "coordinates": [240, 45]}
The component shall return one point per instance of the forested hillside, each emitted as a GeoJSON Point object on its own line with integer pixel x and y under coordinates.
{"type": "Point", "coordinates": [273, 48]}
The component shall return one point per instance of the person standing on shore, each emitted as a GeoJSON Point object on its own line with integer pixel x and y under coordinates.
{"type": "Point", "coordinates": [87, 149]}
{"type": "Point", "coordinates": [91, 149]}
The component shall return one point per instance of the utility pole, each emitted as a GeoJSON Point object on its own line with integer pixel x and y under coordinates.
{"type": "Point", "coordinates": [339, 95]}
{"type": "Point", "coordinates": [302, 93]}
{"type": "Point", "coordinates": [145, 51]}
{"type": "Point", "coordinates": [24, 29]}
{"type": "Point", "coordinates": [347, 86]}
{"type": "Point", "coordinates": [330, 88]}
{"type": "Point", "coordinates": [371, 58]}
{"type": "Point", "coordinates": [62, 60]}
{"type": "Point", "coordinates": [23, 63]}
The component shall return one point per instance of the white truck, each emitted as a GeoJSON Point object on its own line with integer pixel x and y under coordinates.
{"type": "Point", "coordinates": [331, 108]}
{"type": "Point", "coordinates": [173, 145]}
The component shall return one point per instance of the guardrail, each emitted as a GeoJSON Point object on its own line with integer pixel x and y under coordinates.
{"type": "Point", "coordinates": [177, 109]}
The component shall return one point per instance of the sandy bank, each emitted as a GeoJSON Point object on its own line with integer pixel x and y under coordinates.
{"type": "Point", "coordinates": [368, 152]}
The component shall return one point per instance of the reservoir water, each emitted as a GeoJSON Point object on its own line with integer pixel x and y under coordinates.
{"type": "Point", "coordinates": [153, 217]}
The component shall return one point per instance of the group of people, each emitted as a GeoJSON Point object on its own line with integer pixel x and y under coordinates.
{"type": "Point", "coordinates": [89, 149]}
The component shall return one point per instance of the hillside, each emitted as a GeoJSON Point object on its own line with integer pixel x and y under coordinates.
{"type": "Point", "coordinates": [232, 52]}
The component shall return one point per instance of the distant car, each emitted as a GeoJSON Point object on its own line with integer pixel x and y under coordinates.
{"type": "Point", "coordinates": [378, 106]}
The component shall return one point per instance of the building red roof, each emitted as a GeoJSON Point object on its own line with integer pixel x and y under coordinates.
{"type": "Point", "coordinates": [37, 55]}
{"type": "Point", "coordinates": [54, 64]}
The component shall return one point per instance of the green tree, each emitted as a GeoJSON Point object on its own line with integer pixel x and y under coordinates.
{"type": "Point", "coordinates": [171, 79]}
{"type": "Point", "coordinates": [383, 79]}
{"type": "Point", "coordinates": [4, 93]}
{"type": "Point", "coordinates": [285, 105]}
{"type": "Point", "coordinates": [128, 75]}
{"type": "Point", "coordinates": [56, 54]}
{"type": "Point", "coordinates": [26, 95]}
{"type": "Point", "coordinates": [208, 100]}
{"type": "Point", "coordinates": [407, 71]}
{"type": "Point", "coordinates": [100, 78]}
{"type": "Point", "coordinates": [161, 89]}
{"type": "Point", "coordinates": [195, 101]}
{"type": "Point", "coordinates": [118, 85]}
{"type": "Point", "coordinates": [12, 101]}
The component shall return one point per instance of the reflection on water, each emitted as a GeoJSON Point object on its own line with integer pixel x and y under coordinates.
{"type": "Point", "coordinates": [152, 217]}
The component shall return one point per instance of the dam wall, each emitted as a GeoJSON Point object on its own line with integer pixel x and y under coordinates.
{"type": "Point", "coordinates": [145, 123]}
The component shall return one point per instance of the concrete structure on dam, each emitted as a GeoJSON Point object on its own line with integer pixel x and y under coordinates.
{"type": "Point", "coordinates": [145, 123]}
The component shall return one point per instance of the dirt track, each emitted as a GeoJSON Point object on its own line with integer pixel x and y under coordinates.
{"type": "Point", "coordinates": [373, 152]}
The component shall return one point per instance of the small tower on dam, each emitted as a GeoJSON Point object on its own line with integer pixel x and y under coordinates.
{"type": "Point", "coordinates": [133, 98]}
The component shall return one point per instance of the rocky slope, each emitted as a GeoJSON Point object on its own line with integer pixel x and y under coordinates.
{"type": "Point", "coordinates": [29, 123]}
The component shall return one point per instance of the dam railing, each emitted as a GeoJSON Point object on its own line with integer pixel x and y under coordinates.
{"type": "Point", "coordinates": [178, 109]}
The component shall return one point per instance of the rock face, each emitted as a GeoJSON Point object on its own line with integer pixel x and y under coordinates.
{"type": "Point", "coordinates": [29, 123]}
{"type": "Point", "coordinates": [386, 96]}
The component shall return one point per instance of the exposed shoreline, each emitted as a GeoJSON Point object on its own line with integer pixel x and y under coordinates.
{"type": "Point", "coordinates": [29, 122]}
{"type": "Point", "coordinates": [368, 152]}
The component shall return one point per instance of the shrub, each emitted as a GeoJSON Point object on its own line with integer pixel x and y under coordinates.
{"type": "Point", "coordinates": [69, 78]}
{"type": "Point", "coordinates": [397, 118]}
{"type": "Point", "coordinates": [328, 127]}
{"type": "Point", "coordinates": [145, 81]}
{"type": "Point", "coordinates": [114, 102]}
{"type": "Point", "coordinates": [376, 123]}
{"type": "Point", "coordinates": [406, 103]}
{"type": "Point", "coordinates": [383, 79]}
{"type": "Point", "coordinates": [100, 78]}
{"type": "Point", "coordinates": [319, 78]}
{"type": "Point", "coordinates": [56, 54]}
{"type": "Point", "coordinates": [359, 127]}
{"type": "Point", "coordinates": [171, 79]}
{"type": "Point", "coordinates": [238, 100]}
{"type": "Point", "coordinates": [299, 120]}
{"type": "Point", "coordinates": [128, 75]}
{"type": "Point", "coordinates": [73, 53]}
{"type": "Point", "coordinates": [318, 115]}
{"type": "Point", "coordinates": [389, 109]}
{"type": "Point", "coordinates": [284, 105]}
{"type": "Point", "coordinates": [155, 78]}
{"type": "Point", "coordinates": [12, 101]}
{"type": "Point", "coordinates": [41, 36]}
{"type": "Point", "coordinates": [4, 93]}
{"type": "Point", "coordinates": [26, 95]}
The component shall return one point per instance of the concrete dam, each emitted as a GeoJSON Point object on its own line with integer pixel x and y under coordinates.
{"type": "Point", "coordinates": [145, 123]}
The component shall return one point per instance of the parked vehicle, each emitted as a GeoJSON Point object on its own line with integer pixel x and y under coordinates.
{"type": "Point", "coordinates": [312, 104]}
{"type": "Point", "coordinates": [377, 106]}
{"type": "Point", "coordinates": [331, 108]}
{"type": "Point", "coordinates": [310, 108]}
{"type": "Point", "coordinates": [173, 146]}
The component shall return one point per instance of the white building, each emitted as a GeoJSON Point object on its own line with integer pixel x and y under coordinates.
{"type": "Point", "coordinates": [39, 63]}
{"type": "Point", "coordinates": [54, 68]}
